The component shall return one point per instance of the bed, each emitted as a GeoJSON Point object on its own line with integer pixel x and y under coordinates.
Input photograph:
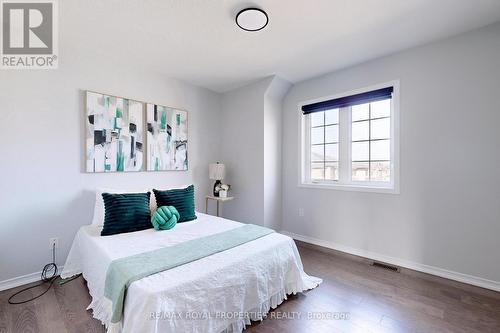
{"type": "Point", "coordinates": [219, 293]}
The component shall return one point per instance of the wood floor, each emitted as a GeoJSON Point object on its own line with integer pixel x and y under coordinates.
{"type": "Point", "coordinates": [375, 300]}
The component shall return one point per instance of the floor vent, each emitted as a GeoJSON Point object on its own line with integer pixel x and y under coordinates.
{"type": "Point", "coordinates": [385, 266]}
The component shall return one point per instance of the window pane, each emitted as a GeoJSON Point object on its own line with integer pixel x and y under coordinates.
{"type": "Point", "coordinates": [360, 131]}
{"type": "Point", "coordinates": [380, 171]}
{"type": "Point", "coordinates": [332, 152]}
{"type": "Point", "coordinates": [381, 109]}
{"type": "Point", "coordinates": [317, 171]}
{"type": "Point", "coordinates": [317, 119]}
{"type": "Point", "coordinates": [360, 151]}
{"type": "Point", "coordinates": [317, 153]}
{"type": "Point", "coordinates": [360, 112]}
{"type": "Point", "coordinates": [332, 116]}
{"type": "Point", "coordinates": [380, 150]}
{"type": "Point", "coordinates": [360, 171]}
{"type": "Point", "coordinates": [317, 135]}
{"type": "Point", "coordinates": [381, 128]}
{"type": "Point", "coordinates": [332, 133]}
{"type": "Point", "coordinates": [331, 171]}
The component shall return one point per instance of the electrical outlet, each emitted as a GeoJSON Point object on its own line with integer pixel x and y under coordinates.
{"type": "Point", "coordinates": [301, 212]}
{"type": "Point", "coordinates": [52, 242]}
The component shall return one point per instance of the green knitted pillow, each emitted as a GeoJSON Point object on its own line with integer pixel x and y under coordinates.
{"type": "Point", "coordinates": [165, 218]}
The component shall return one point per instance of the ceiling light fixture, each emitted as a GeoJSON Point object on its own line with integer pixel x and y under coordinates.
{"type": "Point", "coordinates": [252, 19]}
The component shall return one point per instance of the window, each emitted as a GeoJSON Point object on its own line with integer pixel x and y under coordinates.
{"type": "Point", "coordinates": [371, 141]}
{"type": "Point", "coordinates": [349, 142]}
{"type": "Point", "coordinates": [324, 145]}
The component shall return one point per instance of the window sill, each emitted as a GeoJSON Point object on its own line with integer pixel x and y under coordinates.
{"type": "Point", "coordinates": [351, 187]}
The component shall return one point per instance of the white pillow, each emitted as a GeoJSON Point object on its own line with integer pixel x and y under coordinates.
{"type": "Point", "coordinates": [99, 202]}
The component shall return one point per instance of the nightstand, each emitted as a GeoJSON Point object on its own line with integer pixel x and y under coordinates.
{"type": "Point", "coordinates": [218, 200]}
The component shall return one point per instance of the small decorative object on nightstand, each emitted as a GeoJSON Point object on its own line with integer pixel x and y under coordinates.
{"type": "Point", "coordinates": [218, 200]}
{"type": "Point", "coordinates": [217, 172]}
{"type": "Point", "coordinates": [224, 188]}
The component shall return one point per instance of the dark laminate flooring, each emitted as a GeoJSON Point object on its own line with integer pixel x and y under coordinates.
{"type": "Point", "coordinates": [373, 299]}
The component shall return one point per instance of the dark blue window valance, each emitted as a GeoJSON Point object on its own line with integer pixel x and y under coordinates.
{"type": "Point", "coordinates": [342, 102]}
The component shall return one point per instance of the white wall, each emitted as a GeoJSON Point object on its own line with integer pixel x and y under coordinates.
{"type": "Point", "coordinates": [273, 113]}
{"type": "Point", "coordinates": [44, 191]}
{"type": "Point", "coordinates": [242, 142]}
{"type": "Point", "coordinates": [251, 149]}
{"type": "Point", "coordinates": [448, 212]}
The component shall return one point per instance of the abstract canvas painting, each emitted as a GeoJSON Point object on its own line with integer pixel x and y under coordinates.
{"type": "Point", "coordinates": [167, 138]}
{"type": "Point", "coordinates": [114, 133]}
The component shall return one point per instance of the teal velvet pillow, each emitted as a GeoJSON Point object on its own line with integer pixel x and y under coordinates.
{"type": "Point", "coordinates": [165, 218]}
{"type": "Point", "coordinates": [182, 199]}
{"type": "Point", "coordinates": [125, 213]}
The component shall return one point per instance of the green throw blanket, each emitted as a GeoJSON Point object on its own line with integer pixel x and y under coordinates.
{"type": "Point", "coordinates": [122, 272]}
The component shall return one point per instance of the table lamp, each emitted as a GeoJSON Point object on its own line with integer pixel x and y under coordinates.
{"type": "Point", "coordinates": [217, 172]}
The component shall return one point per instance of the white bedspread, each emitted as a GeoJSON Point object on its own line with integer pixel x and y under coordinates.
{"type": "Point", "coordinates": [214, 294]}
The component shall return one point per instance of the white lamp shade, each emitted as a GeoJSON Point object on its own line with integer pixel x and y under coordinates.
{"type": "Point", "coordinates": [216, 171]}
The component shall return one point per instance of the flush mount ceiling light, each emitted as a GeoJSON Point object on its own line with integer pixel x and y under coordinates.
{"type": "Point", "coordinates": [252, 19]}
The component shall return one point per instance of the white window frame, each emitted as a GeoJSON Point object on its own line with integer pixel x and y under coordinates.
{"type": "Point", "coordinates": [345, 182]}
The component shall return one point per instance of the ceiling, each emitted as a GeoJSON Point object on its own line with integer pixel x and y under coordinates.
{"type": "Point", "coordinates": [198, 41]}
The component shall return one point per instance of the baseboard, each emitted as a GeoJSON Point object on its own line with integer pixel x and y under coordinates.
{"type": "Point", "coordinates": [456, 276]}
{"type": "Point", "coordinates": [23, 279]}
